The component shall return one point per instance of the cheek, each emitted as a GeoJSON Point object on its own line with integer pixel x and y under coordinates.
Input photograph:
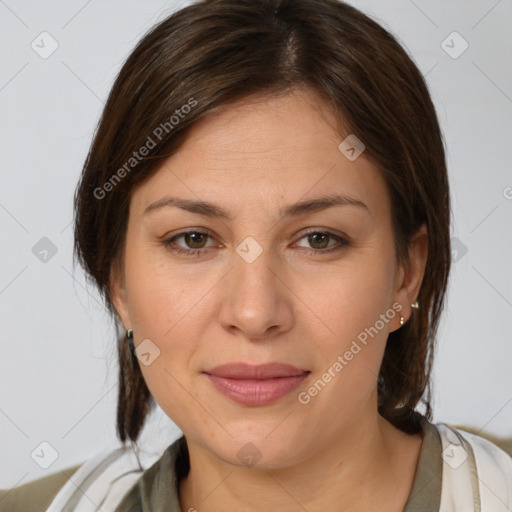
{"type": "Point", "coordinates": [165, 308]}
{"type": "Point", "coordinates": [350, 297]}
{"type": "Point", "coordinates": [162, 297]}
{"type": "Point", "coordinates": [354, 306]}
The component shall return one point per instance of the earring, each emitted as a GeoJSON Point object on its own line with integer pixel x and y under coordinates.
{"type": "Point", "coordinates": [401, 320]}
{"type": "Point", "coordinates": [129, 334]}
{"type": "Point", "coordinates": [415, 305]}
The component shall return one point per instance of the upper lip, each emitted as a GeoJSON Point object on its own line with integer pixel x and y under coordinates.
{"type": "Point", "coordinates": [256, 372]}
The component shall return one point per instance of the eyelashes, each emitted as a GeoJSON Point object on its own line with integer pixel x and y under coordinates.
{"type": "Point", "coordinates": [198, 235]}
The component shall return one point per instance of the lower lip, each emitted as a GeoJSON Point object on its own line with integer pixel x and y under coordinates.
{"type": "Point", "coordinates": [257, 392]}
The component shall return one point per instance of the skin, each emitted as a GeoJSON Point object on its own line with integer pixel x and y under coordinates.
{"type": "Point", "coordinates": [288, 305]}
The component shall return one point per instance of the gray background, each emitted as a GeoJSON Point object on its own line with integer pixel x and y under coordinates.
{"type": "Point", "coordinates": [58, 368]}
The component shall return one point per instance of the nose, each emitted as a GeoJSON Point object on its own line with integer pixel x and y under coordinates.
{"type": "Point", "coordinates": [256, 301]}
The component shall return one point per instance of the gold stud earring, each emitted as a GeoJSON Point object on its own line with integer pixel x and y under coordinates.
{"type": "Point", "coordinates": [415, 305]}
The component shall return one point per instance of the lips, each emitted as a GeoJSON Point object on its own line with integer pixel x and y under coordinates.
{"type": "Point", "coordinates": [259, 372]}
{"type": "Point", "coordinates": [256, 385]}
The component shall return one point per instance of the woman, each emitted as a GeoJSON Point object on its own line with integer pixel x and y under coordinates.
{"type": "Point", "coordinates": [265, 209]}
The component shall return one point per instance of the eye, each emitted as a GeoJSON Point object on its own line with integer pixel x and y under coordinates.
{"type": "Point", "coordinates": [319, 240]}
{"type": "Point", "coordinates": [194, 240]}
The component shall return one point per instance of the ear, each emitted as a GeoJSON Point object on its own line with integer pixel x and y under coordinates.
{"type": "Point", "coordinates": [410, 274]}
{"type": "Point", "coordinates": [119, 296]}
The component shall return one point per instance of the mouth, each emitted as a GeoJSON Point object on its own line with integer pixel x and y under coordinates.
{"type": "Point", "coordinates": [256, 385]}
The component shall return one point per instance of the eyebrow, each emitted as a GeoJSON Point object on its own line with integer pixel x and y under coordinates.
{"type": "Point", "coordinates": [208, 209]}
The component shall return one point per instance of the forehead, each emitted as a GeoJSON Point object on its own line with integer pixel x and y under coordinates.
{"type": "Point", "coordinates": [263, 152]}
{"type": "Point", "coordinates": [264, 123]}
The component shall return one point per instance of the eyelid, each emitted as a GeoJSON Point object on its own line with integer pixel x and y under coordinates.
{"type": "Point", "coordinates": [329, 231]}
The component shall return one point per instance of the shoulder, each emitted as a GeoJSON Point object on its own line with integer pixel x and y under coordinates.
{"type": "Point", "coordinates": [110, 477]}
{"type": "Point", "coordinates": [37, 495]}
{"type": "Point", "coordinates": [475, 470]}
{"type": "Point", "coordinates": [105, 478]}
{"type": "Point", "coordinates": [483, 448]}
{"type": "Point", "coordinates": [504, 443]}
{"type": "Point", "coordinates": [106, 475]}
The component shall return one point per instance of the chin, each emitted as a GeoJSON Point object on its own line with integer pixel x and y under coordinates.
{"type": "Point", "coordinates": [258, 451]}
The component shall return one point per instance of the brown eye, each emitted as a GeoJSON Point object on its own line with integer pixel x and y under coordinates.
{"type": "Point", "coordinates": [194, 240]}
{"type": "Point", "coordinates": [319, 241]}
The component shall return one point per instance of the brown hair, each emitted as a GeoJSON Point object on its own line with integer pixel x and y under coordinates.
{"type": "Point", "coordinates": [214, 52]}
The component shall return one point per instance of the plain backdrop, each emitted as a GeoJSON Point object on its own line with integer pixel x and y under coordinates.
{"type": "Point", "coordinates": [57, 366]}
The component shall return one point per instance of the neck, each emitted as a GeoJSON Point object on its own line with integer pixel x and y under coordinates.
{"type": "Point", "coordinates": [369, 467]}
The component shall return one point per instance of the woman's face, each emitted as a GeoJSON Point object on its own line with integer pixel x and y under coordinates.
{"type": "Point", "coordinates": [253, 290]}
